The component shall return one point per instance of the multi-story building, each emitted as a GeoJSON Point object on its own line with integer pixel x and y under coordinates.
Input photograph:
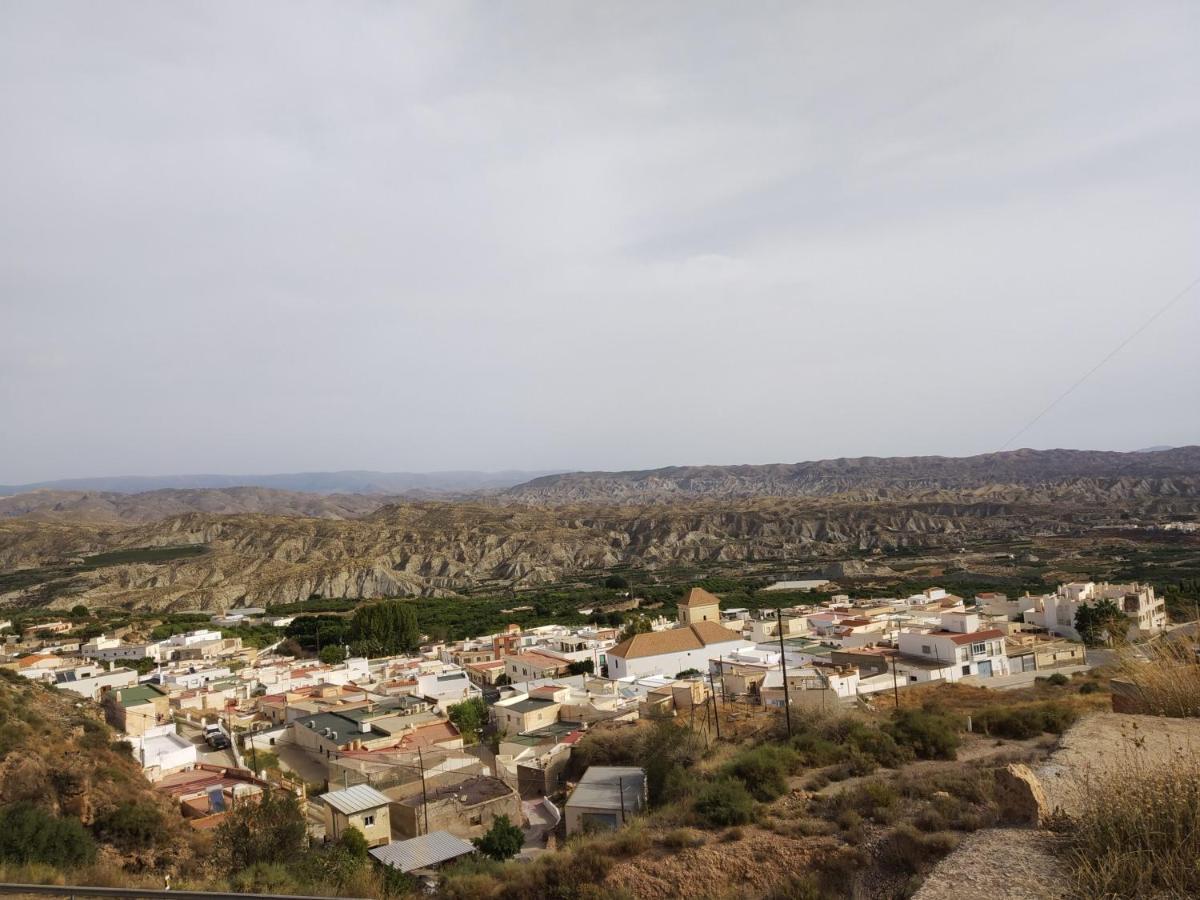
{"type": "Point", "coordinates": [1146, 612]}
{"type": "Point", "coordinates": [960, 646]}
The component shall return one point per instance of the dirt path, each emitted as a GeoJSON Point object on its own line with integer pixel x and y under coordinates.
{"type": "Point", "coordinates": [1012, 863]}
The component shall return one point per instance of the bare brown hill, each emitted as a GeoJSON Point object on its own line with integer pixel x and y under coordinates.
{"type": "Point", "coordinates": [1035, 474]}
{"type": "Point", "coordinates": [101, 507]}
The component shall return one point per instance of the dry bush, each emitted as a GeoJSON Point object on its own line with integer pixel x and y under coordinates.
{"type": "Point", "coordinates": [683, 838]}
{"type": "Point", "coordinates": [1138, 831]}
{"type": "Point", "coordinates": [907, 849]}
{"type": "Point", "coordinates": [1165, 676]}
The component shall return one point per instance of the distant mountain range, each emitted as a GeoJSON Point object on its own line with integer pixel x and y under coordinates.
{"type": "Point", "coordinates": [1172, 470]}
{"type": "Point", "coordinates": [264, 545]}
{"type": "Point", "coordinates": [348, 482]}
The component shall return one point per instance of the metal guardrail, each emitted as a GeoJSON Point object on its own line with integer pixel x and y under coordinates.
{"type": "Point", "coordinates": [68, 890]}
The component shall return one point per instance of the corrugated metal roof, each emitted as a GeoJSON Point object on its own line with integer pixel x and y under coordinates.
{"type": "Point", "coordinates": [610, 787]}
{"type": "Point", "coordinates": [420, 852]}
{"type": "Point", "coordinates": [355, 799]}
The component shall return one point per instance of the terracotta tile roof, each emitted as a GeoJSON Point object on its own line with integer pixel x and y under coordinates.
{"type": "Point", "coordinates": [673, 640]}
{"type": "Point", "coordinates": [699, 597]}
{"type": "Point", "coordinates": [540, 660]}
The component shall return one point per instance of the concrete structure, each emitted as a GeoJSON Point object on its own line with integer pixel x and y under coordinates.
{"type": "Point", "coordinates": [466, 809]}
{"type": "Point", "coordinates": [526, 712]}
{"type": "Point", "coordinates": [93, 687]}
{"type": "Point", "coordinates": [360, 807]}
{"type": "Point", "coordinates": [606, 797]}
{"type": "Point", "coordinates": [162, 751]}
{"type": "Point", "coordinates": [699, 606]}
{"type": "Point", "coordinates": [674, 650]}
{"type": "Point", "coordinates": [959, 647]}
{"type": "Point", "coordinates": [136, 709]}
{"type": "Point", "coordinates": [1031, 652]}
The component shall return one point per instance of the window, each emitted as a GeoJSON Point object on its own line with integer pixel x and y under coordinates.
{"type": "Point", "coordinates": [967, 669]}
{"type": "Point", "coordinates": [368, 821]}
{"type": "Point", "coordinates": [979, 649]}
{"type": "Point", "coordinates": [926, 650]}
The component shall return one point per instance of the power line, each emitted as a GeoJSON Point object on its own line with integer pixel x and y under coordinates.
{"type": "Point", "coordinates": [1088, 374]}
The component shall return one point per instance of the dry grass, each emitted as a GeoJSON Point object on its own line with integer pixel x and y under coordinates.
{"type": "Point", "coordinates": [1165, 677]}
{"type": "Point", "coordinates": [1137, 832]}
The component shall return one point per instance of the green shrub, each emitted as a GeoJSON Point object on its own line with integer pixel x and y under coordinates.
{"type": "Point", "coordinates": [132, 826]}
{"type": "Point", "coordinates": [1058, 679]}
{"type": "Point", "coordinates": [815, 750]}
{"type": "Point", "coordinates": [31, 835]}
{"type": "Point", "coordinates": [1023, 722]}
{"type": "Point", "coordinates": [724, 802]}
{"type": "Point", "coordinates": [906, 849]}
{"type": "Point", "coordinates": [1089, 687]}
{"type": "Point", "coordinates": [929, 734]}
{"type": "Point", "coordinates": [764, 770]}
{"type": "Point", "coordinates": [353, 843]}
{"type": "Point", "coordinates": [502, 841]}
{"type": "Point", "coordinates": [878, 745]}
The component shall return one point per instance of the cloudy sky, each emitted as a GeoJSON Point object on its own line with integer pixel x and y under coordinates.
{"type": "Point", "coordinates": [265, 237]}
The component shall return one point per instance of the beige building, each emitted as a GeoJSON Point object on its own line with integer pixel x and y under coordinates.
{"type": "Point", "coordinates": [699, 606]}
{"type": "Point", "coordinates": [360, 807]}
{"type": "Point", "coordinates": [532, 665]}
{"type": "Point", "coordinates": [466, 809]}
{"type": "Point", "coordinates": [525, 712]}
{"type": "Point", "coordinates": [136, 709]}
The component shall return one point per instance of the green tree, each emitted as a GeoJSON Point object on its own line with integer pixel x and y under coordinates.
{"type": "Point", "coordinates": [385, 628]}
{"type": "Point", "coordinates": [616, 583]}
{"type": "Point", "coordinates": [273, 830]}
{"type": "Point", "coordinates": [1096, 622]}
{"type": "Point", "coordinates": [79, 611]}
{"type": "Point", "coordinates": [333, 654]}
{"type": "Point", "coordinates": [635, 625]}
{"type": "Point", "coordinates": [469, 717]}
{"type": "Point", "coordinates": [583, 667]}
{"type": "Point", "coordinates": [502, 841]}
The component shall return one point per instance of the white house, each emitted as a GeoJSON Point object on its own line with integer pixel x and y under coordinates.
{"type": "Point", "coordinates": [959, 647]}
{"type": "Point", "coordinates": [1056, 612]}
{"type": "Point", "coordinates": [675, 650]}
{"type": "Point", "coordinates": [161, 750]}
{"type": "Point", "coordinates": [447, 687]}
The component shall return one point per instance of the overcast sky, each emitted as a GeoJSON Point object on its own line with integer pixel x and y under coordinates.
{"type": "Point", "coordinates": [267, 237]}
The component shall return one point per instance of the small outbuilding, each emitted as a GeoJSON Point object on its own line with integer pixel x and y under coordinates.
{"type": "Point", "coordinates": [360, 807]}
{"type": "Point", "coordinates": [428, 851]}
{"type": "Point", "coordinates": [606, 797]}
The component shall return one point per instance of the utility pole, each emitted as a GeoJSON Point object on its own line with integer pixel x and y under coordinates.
{"type": "Point", "coordinates": [895, 683]}
{"type": "Point", "coordinates": [716, 709]}
{"type": "Point", "coordinates": [787, 700]}
{"type": "Point", "coordinates": [424, 795]}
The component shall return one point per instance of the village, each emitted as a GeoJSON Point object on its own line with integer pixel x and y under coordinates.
{"type": "Point", "coordinates": [423, 753]}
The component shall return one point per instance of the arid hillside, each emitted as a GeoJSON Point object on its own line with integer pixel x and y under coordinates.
{"type": "Point", "coordinates": [58, 756]}
{"type": "Point", "coordinates": [110, 507]}
{"type": "Point", "coordinates": [209, 549]}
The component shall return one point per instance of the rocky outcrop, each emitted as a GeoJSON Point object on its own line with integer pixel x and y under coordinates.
{"type": "Point", "coordinates": [1020, 796]}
